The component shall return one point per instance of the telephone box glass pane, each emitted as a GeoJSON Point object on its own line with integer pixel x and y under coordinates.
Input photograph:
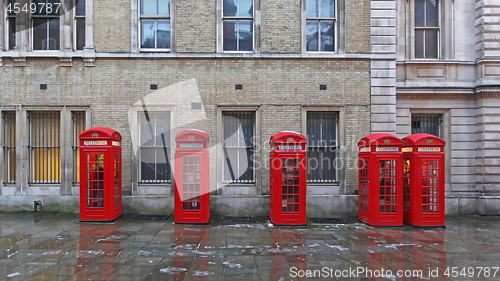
{"type": "Point", "coordinates": [430, 183]}
{"type": "Point", "coordinates": [191, 183]}
{"type": "Point", "coordinates": [388, 172]}
{"type": "Point", "coordinates": [290, 185]}
{"type": "Point", "coordinates": [95, 180]}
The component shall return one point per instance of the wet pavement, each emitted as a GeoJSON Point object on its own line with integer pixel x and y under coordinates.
{"type": "Point", "coordinates": [43, 246]}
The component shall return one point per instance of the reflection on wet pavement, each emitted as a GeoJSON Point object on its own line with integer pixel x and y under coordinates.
{"type": "Point", "coordinates": [57, 247]}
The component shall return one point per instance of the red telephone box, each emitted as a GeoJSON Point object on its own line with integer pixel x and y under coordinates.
{"type": "Point", "coordinates": [288, 170]}
{"type": "Point", "coordinates": [380, 180]}
{"type": "Point", "coordinates": [192, 187]}
{"type": "Point", "coordinates": [100, 175]}
{"type": "Point", "coordinates": [423, 180]}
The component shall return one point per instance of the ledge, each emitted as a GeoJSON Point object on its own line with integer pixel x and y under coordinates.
{"type": "Point", "coordinates": [49, 54]}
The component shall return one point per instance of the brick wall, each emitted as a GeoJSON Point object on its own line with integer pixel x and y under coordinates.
{"type": "Point", "coordinates": [279, 87]}
{"type": "Point", "coordinates": [281, 26]}
{"type": "Point", "coordinates": [112, 26]}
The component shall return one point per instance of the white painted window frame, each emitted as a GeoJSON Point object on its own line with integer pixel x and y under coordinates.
{"type": "Point", "coordinates": [256, 28]}
{"type": "Point", "coordinates": [338, 26]}
{"type": "Point", "coordinates": [239, 188]}
{"type": "Point", "coordinates": [136, 29]}
{"type": "Point", "coordinates": [445, 30]}
{"type": "Point", "coordinates": [151, 188]}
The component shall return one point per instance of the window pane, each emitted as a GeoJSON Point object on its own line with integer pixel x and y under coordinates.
{"type": "Point", "coordinates": [162, 121]}
{"type": "Point", "coordinates": [245, 35]}
{"type": "Point", "coordinates": [38, 11]}
{"type": "Point", "coordinates": [55, 4]}
{"type": "Point", "coordinates": [163, 7]}
{"type": "Point", "coordinates": [163, 165]}
{"type": "Point", "coordinates": [312, 36]}
{"type": "Point", "coordinates": [53, 42]}
{"type": "Point", "coordinates": [147, 164]}
{"type": "Point", "coordinates": [229, 30]}
{"type": "Point", "coordinates": [419, 43]}
{"type": "Point", "coordinates": [39, 34]}
{"type": "Point", "coordinates": [328, 8]}
{"type": "Point", "coordinates": [327, 36]}
{"type": "Point", "coordinates": [321, 130]}
{"type": "Point", "coordinates": [431, 13]}
{"type": "Point", "coordinates": [312, 8]}
{"type": "Point", "coordinates": [9, 146]}
{"type": "Point", "coordinates": [419, 13]}
{"type": "Point", "coordinates": [80, 7]}
{"type": "Point", "coordinates": [80, 33]}
{"type": "Point", "coordinates": [230, 8]}
{"type": "Point", "coordinates": [239, 131]}
{"type": "Point", "coordinates": [147, 34]}
{"type": "Point", "coordinates": [431, 44]}
{"type": "Point", "coordinates": [428, 124]}
{"type": "Point", "coordinates": [12, 32]}
{"type": "Point", "coordinates": [11, 2]}
{"type": "Point", "coordinates": [148, 7]}
{"type": "Point", "coordinates": [246, 8]}
{"type": "Point", "coordinates": [146, 128]}
{"type": "Point", "coordinates": [163, 34]}
{"type": "Point", "coordinates": [45, 154]}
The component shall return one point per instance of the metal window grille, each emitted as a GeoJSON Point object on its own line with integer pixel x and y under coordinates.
{"type": "Point", "coordinates": [239, 147]}
{"type": "Point", "coordinates": [45, 147]}
{"type": "Point", "coordinates": [155, 148]}
{"type": "Point", "coordinates": [320, 25]}
{"type": "Point", "coordinates": [322, 147]}
{"type": "Point", "coordinates": [78, 126]}
{"type": "Point", "coordinates": [46, 25]}
{"type": "Point", "coordinates": [426, 28]}
{"type": "Point", "coordinates": [155, 25]}
{"type": "Point", "coordinates": [79, 24]}
{"type": "Point", "coordinates": [237, 25]}
{"type": "Point", "coordinates": [9, 146]}
{"type": "Point", "coordinates": [428, 124]}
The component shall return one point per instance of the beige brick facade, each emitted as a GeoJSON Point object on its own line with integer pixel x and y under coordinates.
{"type": "Point", "coordinates": [374, 83]}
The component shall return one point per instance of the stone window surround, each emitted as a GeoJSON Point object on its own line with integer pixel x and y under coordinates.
{"type": "Point", "coordinates": [329, 188]}
{"type": "Point", "coordinates": [68, 43]}
{"type": "Point", "coordinates": [339, 29]}
{"type": "Point", "coordinates": [150, 188]}
{"type": "Point", "coordinates": [21, 187]}
{"type": "Point", "coordinates": [238, 188]}
{"type": "Point", "coordinates": [445, 33]}
{"type": "Point", "coordinates": [135, 29]}
{"type": "Point", "coordinates": [256, 28]}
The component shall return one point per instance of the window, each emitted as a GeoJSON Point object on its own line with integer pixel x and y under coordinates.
{"type": "Point", "coordinates": [11, 27]}
{"type": "Point", "coordinates": [155, 24]}
{"type": "Point", "coordinates": [428, 124]}
{"type": "Point", "coordinates": [78, 126]}
{"type": "Point", "coordinates": [239, 147]}
{"type": "Point", "coordinates": [9, 146]}
{"type": "Point", "coordinates": [79, 25]}
{"type": "Point", "coordinates": [322, 147]}
{"type": "Point", "coordinates": [320, 25]}
{"type": "Point", "coordinates": [46, 26]}
{"type": "Point", "coordinates": [237, 25]}
{"type": "Point", "coordinates": [426, 28]}
{"type": "Point", "coordinates": [155, 149]}
{"type": "Point", "coordinates": [45, 147]}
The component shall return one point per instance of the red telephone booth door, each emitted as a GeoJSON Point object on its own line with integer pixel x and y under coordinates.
{"type": "Point", "coordinates": [424, 174]}
{"type": "Point", "coordinates": [380, 180]}
{"type": "Point", "coordinates": [288, 179]}
{"type": "Point", "coordinates": [192, 185]}
{"type": "Point", "coordinates": [94, 177]}
{"type": "Point", "coordinates": [100, 175]}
